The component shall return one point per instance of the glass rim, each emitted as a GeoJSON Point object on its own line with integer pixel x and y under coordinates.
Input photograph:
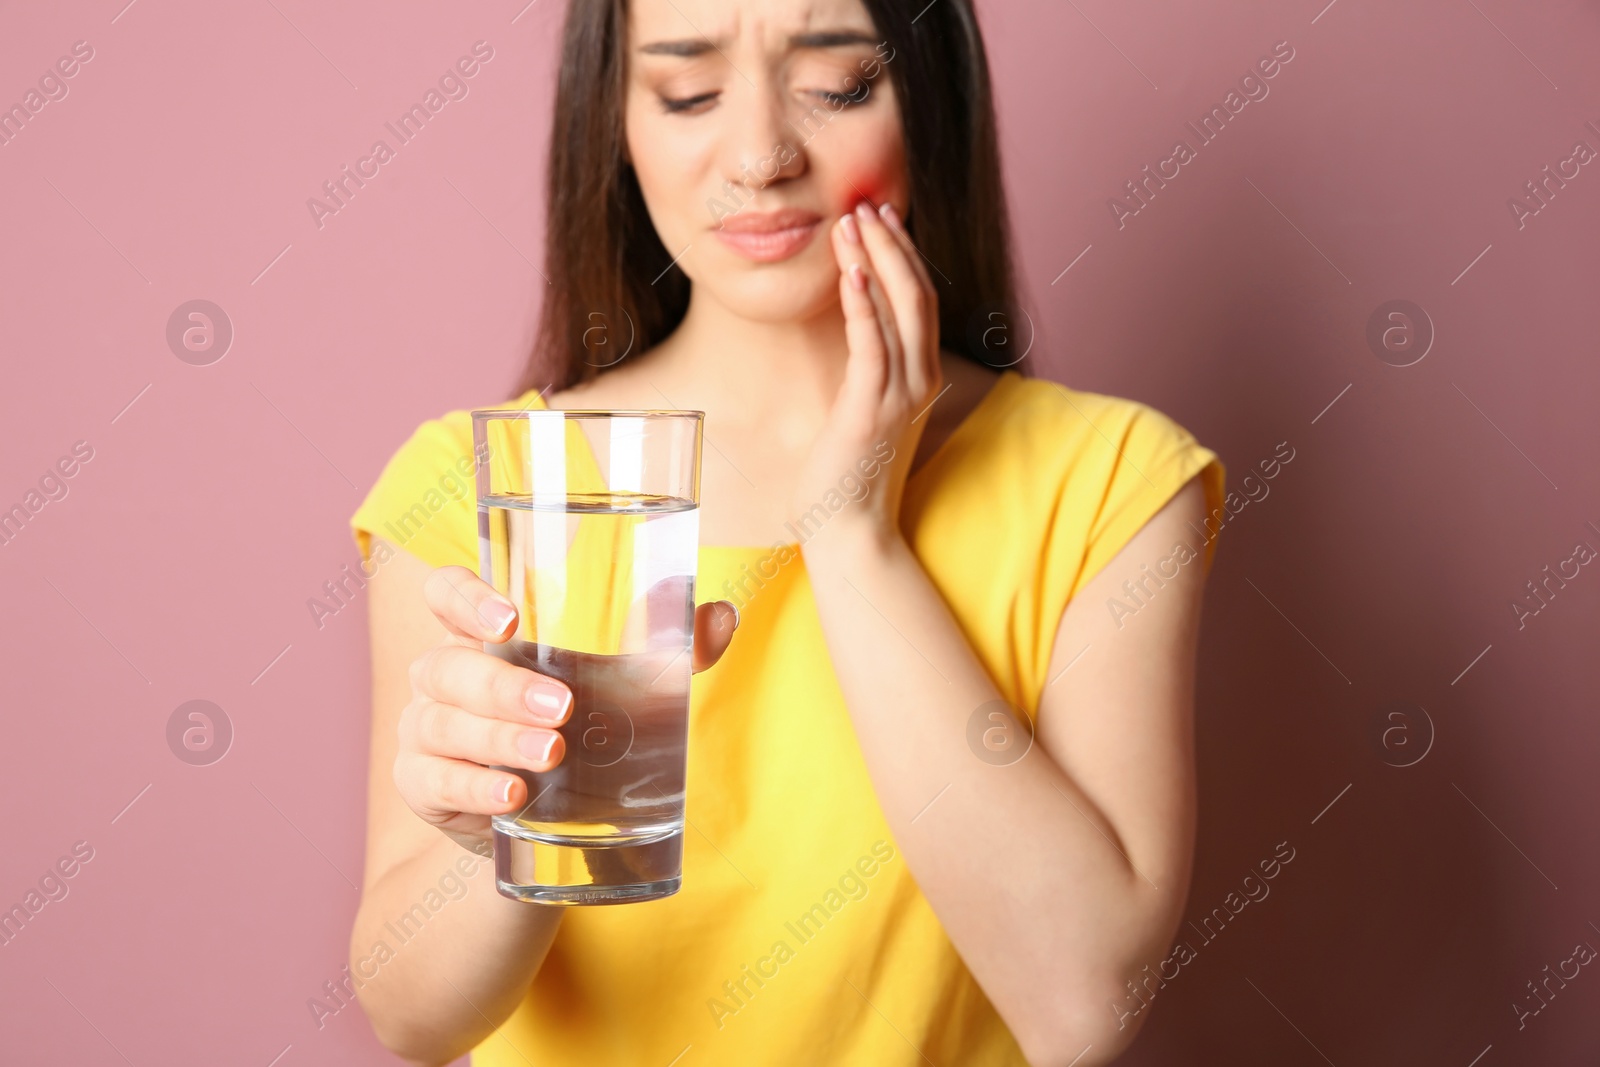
{"type": "Point", "coordinates": [488, 414]}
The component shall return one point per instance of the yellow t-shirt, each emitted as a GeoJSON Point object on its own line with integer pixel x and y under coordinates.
{"type": "Point", "coordinates": [799, 935]}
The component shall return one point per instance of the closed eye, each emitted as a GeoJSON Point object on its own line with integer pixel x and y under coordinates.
{"type": "Point", "coordinates": [838, 100]}
{"type": "Point", "coordinates": [685, 104]}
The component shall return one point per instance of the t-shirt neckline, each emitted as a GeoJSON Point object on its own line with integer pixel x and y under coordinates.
{"type": "Point", "coordinates": [963, 429]}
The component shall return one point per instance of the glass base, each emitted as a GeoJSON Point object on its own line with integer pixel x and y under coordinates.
{"type": "Point", "coordinates": [549, 869]}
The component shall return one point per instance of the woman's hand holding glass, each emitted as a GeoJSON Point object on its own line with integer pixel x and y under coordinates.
{"type": "Point", "coordinates": [471, 711]}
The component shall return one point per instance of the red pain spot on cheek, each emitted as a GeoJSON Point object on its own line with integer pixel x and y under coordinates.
{"type": "Point", "coordinates": [866, 187]}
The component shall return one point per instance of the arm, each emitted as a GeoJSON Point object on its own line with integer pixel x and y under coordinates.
{"type": "Point", "coordinates": [1045, 872]}
{"type": "Point", "coordinates": [440, 993]}
{"type": "Point", "coordinates": [443, 712]}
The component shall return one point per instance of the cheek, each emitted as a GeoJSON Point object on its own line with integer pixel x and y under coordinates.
{"type": "Point", "coordinates": [878, 174]}
{"type": "Point", "coordinates": [671, 159]}
{"type": "Point", "coordinates": [869, 184]}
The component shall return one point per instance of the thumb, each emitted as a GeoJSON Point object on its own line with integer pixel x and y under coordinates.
{"type": "Point", "coordinates": [714, 624]}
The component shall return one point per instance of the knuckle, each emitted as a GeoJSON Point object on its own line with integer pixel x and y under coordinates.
{"type": "Point", "coordinates": [464, 787]}
{"type": "Point", "coordinates": [436, 589]}
{"type": "Point", "coordinates": [444, 784]}
{"type": "Point", "coordinates": [434, 726]}
{"type": "Point", "coordinates": [503, 743]}
{"type": "Point", "coordinates": [507, 684]}
{"type": "Point", "coordinates": [430, 584]}
{"type": "Point", "coordinates": [444, 589]}
{"type": "Point", "coordinates": [406, 728]}
{"type": "Point", "coordinates": [437, 667]}
{"type": "Point", "coordinates": [409, 783]}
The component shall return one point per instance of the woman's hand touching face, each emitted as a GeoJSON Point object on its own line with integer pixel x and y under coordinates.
{"type": "Point", "coordinates": [471, 711]}
{"type": "Point", "coordinates": [753, 126]}
{"type": "Point", "coordinates": [892, 377]}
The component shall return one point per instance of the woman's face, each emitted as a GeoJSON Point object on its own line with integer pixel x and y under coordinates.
{"type": "Point", "coordinates": [753, 125]}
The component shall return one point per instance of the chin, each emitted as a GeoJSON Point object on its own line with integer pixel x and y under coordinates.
{"type": "Point", "coordinates": [792, 291]}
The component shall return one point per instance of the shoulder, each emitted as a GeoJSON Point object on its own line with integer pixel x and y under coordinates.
{"type": "Point", "coordinates": [447, 436]}
{"type": "Point", "coordinates": [1034, 494]}
{"type": "Point", "coordinates": [1077, 412]}
{"type": "Point", "coordinates": [1041, 430]}
{"type": "Point", "coordinates": [1038, 463]}
{"type": "Point", "coordinates": [423, 499]}
{"type": "Point", "coordinates": [1112, 457]}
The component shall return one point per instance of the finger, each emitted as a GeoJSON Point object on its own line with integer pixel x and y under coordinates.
{"type": "Point", "coordinates": [895, 336]}
{"type": "Point", "coordinates": [919, 263]}
{"type": "Point", "coordinates": [714, 624]}
{"type": "Point", "coordinates": [438, 789]}
{"type": "Point", "coordinates": [867, 370]}
{"type": "Point", "coordinates": [485, 685]}
{"type": "Point", "coordinates": [435, 729]}
{"type": "Point", "coordinates": [897, 226]}
{"type": "Point", "coordinates": [468, 606]}
{"type": "Point", "coordinates": [909, 297]}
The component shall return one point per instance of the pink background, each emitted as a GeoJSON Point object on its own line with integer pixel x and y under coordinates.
{"type": "Point", "coordinates": [1384, 560]}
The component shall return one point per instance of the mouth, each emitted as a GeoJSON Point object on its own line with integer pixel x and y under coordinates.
{"type": "Point", "coordinates": [769, 238]}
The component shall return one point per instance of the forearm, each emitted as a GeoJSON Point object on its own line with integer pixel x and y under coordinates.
{"type": "Point", "coordinates": [437, 968]}
{"type": "Point", "coordinates": [1026, 876]}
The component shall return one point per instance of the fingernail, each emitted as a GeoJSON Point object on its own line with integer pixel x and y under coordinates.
{"type": "Point", "coordinates": [864, 209]}
{"type": "Point", "coordinates": [496, 614]}
{"type": "Point", "coordinates": [548, 700]}
{"type": "Point", "coordinates": [735, 613]}
{"type": "Point", "coordinates": [502, 792]}
{"type": "Point", "coordinates": [536, 745]}
{"type": "Point", "coordinates": [889, 214]}
{"type": "Point", "coordinates": [858, 278]}
{"type": "Point", "coordinates": [852, 233]}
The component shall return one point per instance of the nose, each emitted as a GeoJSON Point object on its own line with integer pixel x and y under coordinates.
{"type": "Point", "coordinates": [762, 148]}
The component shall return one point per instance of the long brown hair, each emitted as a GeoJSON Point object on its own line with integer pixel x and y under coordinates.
{"type": "Point", "coordinates": [613, 288]}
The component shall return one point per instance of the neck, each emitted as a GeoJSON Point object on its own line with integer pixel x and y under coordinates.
{"type": "Point", "coordinates": [782, 375]}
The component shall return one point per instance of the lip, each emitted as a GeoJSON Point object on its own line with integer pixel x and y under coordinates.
{"type": "Point", "coordinates": [769, 237]}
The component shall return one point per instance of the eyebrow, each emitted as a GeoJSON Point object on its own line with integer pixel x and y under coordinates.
{"type": "Point", "coordinates": [697, 46]}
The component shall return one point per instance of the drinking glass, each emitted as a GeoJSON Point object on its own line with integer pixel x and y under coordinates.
{"type": "Point", "coordinates": [589, 523]}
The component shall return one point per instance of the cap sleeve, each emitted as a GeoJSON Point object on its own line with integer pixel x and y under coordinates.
{"type": "Point", "coordinates": [424, 501]}
{"type": "Point", "coordinates": [1128, 461]}
{"type": "Point", "coordinates": [1155, 457]}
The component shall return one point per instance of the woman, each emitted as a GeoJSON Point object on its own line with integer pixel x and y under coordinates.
{"type": "Point", "coordinates": [879, 868]}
